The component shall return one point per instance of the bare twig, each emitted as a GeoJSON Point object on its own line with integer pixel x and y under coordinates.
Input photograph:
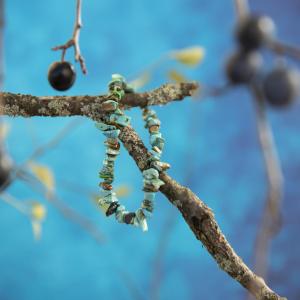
{"type": "Point", "coordinates": [68, 212]}
{"type": "Point", "coordinates": [271, 218]}
{"type": "Point", "coordinates": [131, 286]}
{"type": "Point", "coordinates": [214, 91]}
{"type": "Point", "coordinates": [170, 222]}
{"type": "Point", "coordinates": [15, 203]}
{"type": "Point", "coordinates": [74, 41]}
{"type": "Point", "coordinates": [18, 169]}
{"type": "Point", "coordinates": [163, 242]}
{"type": "Point", "coordinates": [196, 214]}
{"type": "Point", "coordinates": [282, 48]}
{"type": "Point", "coordinates": [242, 8]}
{"type": "Point", "coordinates": [1, 44]}
{"type": "Point", "coordinates": [39, 151]}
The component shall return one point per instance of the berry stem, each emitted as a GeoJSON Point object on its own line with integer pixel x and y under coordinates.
{"type": "Point", "coordinates": [282, 48]}
{"type": "Point", "coordinates": [74, 41]}
{"type": "Point", "coordinates": [242, 8]}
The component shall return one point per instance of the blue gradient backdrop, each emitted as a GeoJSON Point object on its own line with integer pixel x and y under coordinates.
{"type": "Point", "coordinates": [215, 140]}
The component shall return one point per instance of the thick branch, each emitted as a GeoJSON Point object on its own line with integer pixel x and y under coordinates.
{"type": "Point", "coordinates": [201, 220]}
{"type": "Point", "coordinates": [89, 106]}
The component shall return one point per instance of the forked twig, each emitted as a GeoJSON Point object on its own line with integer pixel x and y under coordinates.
{"type": "Point", "coordinates": [271, 218]}
{"type": "Point", "coordinates": [74, 41]}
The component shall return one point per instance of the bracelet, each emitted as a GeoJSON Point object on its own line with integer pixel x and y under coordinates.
{"type": "Point", "coordinates": [110, 127]}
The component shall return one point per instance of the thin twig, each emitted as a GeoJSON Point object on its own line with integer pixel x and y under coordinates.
{"type": "Point", "coordinates": [68, 212]}
{"type": "Point", "coordinates": [163, 242]}
{"type": "Point", "coordinates": [214, 91]}
{"type": "Point", "coordinates": [242, 8]}
{"type": "Point", "coordinates": [271, 218]}
{"type": "Point", "coordinates": [281, 48]}
{"type": "Point", "coordinates": [131, 285]}
{"type": "Point", "coordinates": [15, 203]}
{"type": "Point", "coordinates": [39, 151]}
{"type": "Point", "coordinates": [1, 45]}
{"type": "Point", "coordinates": [74, 41]}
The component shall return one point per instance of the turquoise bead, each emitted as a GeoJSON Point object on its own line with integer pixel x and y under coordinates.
{"type": "Point", "coordinates": [149, 196]}
{"type": "Point", "coordinates": [112, 134]}
{"type": "Point", "coordinates": [103, 127]}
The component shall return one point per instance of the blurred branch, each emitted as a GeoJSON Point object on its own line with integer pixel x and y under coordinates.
{"type": "Point", "coordinates": [196, 214]}
{"type": "Point", "coordinates": [131, 286]}
{"type": "Point", "coordinates": [214, 91]}
{"type": "Point", "coordinates": [74, 41]}
{"type": "Point", "coordinates": [1, 45]}
{"type": "Point", "coordinates": [242, 8]}
{"type": "Point", "coordinates": [271, 218]}
{"type": "Point", "coordinates": [41, 150]}
{"type": "Point", "coordinates": [18, 205]}
{"type": "Point", "coordinates": [282, 48]}
{"type": "Point", "coordinates": [163, 242]}
{"type": "Point", "coordinates": [68, 212]}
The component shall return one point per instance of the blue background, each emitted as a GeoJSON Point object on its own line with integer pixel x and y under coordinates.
{"type": "Point", "coordinates": [211, 145]}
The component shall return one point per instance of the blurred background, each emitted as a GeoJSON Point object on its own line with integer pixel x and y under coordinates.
{"type": "Point", "coordinates": [212, 146]}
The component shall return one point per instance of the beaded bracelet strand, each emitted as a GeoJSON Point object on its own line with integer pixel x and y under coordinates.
{"type": "Point", "coordinates": [110, 126]}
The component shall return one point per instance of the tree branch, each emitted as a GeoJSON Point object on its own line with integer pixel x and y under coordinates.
{"type": "Point", "coordinates": [197, 215]}
{"type": "Point", "coordinates": [201, 220]}
{"type": "Point", "coordinates": [89, 106]}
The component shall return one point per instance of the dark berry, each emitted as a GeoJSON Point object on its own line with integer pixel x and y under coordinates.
{"type": "Point", "coordinates": [281, 86]}
{"type": "Point", "coordinates": [5, 170]}
{"type": "Point", "coordinates": [254, 31]}
{"type": "Point", "coordinates": [61, 75]}
{"type": "Point", "coordinates": [242, 67]}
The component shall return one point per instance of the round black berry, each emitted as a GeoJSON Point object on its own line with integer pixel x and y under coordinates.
{"type": "Point", "coordinates": [281, 86]}
{"type": "Point", "coordinates": [5, 170]}
{"type": "Point", "coordinates": [242, 67]}
{"type": "Point", "coordinates": [254, 31]}
{"type": "Point", "coordinates": [61, 75]}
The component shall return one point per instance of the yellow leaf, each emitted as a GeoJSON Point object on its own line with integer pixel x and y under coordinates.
{"type": "Point", "coordinates": [176, 76]}
{"type": "Point", "coordinates": [190, 56]}
{"type": "Point", "coordinates": [37, 229]}
{"type": "Point", "coordinates": [123, 190]}
{"type": "Point", "coordinates": [140, 81]}
{"type": "Point", "coordinates": [4, 130]}
{"type": "Point", "coordinates": [38, 211]}
{"type": "Point", "coordinates": [43, 174]}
